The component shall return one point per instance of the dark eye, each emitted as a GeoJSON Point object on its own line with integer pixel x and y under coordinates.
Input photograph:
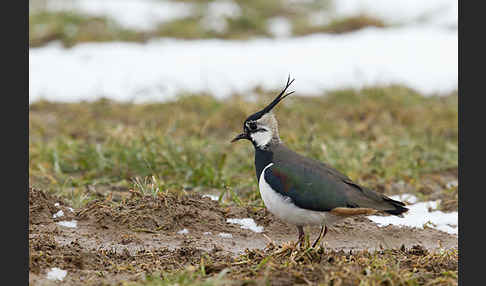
{"type": "Point", "coordinates": [252, 125]}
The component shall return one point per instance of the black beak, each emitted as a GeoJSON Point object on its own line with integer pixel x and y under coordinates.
{"type": "Point", "coordinates": [241, 136]}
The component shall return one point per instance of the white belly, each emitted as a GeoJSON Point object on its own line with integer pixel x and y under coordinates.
{"type": "Point", "coordinates": [283, 208]}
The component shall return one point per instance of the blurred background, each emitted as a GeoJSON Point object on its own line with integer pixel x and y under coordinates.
{"type": "Point", "coordinates": [147, 50]}
{"type": "Point", "coordinates": [147, 93]}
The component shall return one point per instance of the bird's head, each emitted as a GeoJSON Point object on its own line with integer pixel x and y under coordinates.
{"type": "Point", "coordinates": [261, 128]}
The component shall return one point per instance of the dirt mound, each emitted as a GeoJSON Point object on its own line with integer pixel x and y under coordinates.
{"type": "Point", "coordinates": [42, 206]}
{"type": "Point", "coordinates": [163, 213]}
{"type": "Point", "coordinates": [45, 208]}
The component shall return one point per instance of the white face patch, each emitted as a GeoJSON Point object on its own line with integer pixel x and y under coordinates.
{"type": "Point", "coordinates": [263, 131]}
{"type": "Point", "coordinates": [262, 138]}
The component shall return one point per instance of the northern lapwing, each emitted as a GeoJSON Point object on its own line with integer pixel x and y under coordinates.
{"type": "Point", "coordinates": [303, 191]}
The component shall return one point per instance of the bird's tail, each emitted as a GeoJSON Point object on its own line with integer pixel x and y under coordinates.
{"type": "Point", "coordinates": [399, 207]}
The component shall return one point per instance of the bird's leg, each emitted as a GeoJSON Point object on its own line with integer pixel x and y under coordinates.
{"type": "Point", "coordinates": [321, 235]}
{"type": "Point", "coordinates": [301, 234]}
{"type": "Point", "coordinates": [318, 237]}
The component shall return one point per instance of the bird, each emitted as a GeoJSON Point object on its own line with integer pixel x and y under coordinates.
{"type": "Point", "coordinates": [301, 190]}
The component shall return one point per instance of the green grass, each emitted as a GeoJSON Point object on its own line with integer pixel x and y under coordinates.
{"type": "Point", "coordinates": [73, 27]}
{"type": "Point", "coordinates": [377, 136]}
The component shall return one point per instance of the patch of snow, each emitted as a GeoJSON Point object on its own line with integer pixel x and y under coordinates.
{"type": "Point", "coordinates": [56, 204]}
{"type": "Point", "coordinates": [422, 58]}
{"type": "Point", "coordinates": [225, 235]}
{"type": "Point", "coordinates": [71, 210]}
{"type": "Point", "coordinates": [212, 197]}
{"type": "Point", "coordinates": [56, 274]}
{"type": "Point", "coordinates": [217, 13]}
{"type": "Point", "coordinates": [135, 14]}
{"type": "Point", "coordinates": [207, 233]}
{"type": "Point", "coordinates": [420, 216]}
{"type": "Point", "coordinates": [58, 214]}
{"type": "Point", "coordinates": [246, 223]}
{"type": "Point", "coordinates": [279, 27]}
{"type": "Point", "coordinates": [184, 231]}
{"type": "Point", "coordinates": [66, 223]}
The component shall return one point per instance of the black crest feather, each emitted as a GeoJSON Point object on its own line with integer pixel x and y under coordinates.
{"type": "Point", "coordinates": [272, 104]}
{"type": "Point", "coordinates": [279, 97]}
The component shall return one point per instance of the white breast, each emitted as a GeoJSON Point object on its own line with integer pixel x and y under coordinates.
{"type": "Point", "coordinates": [286, 210]}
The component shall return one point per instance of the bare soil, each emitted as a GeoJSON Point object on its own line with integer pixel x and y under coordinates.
{"type": "Point", "coordinates": [123, 241]}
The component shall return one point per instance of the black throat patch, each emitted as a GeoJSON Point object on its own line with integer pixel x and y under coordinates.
{"type": "Point", "coordinates": [263, 157]}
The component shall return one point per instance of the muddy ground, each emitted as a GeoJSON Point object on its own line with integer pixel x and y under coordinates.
{"type": "Point", "coordinates": [123, 241]}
